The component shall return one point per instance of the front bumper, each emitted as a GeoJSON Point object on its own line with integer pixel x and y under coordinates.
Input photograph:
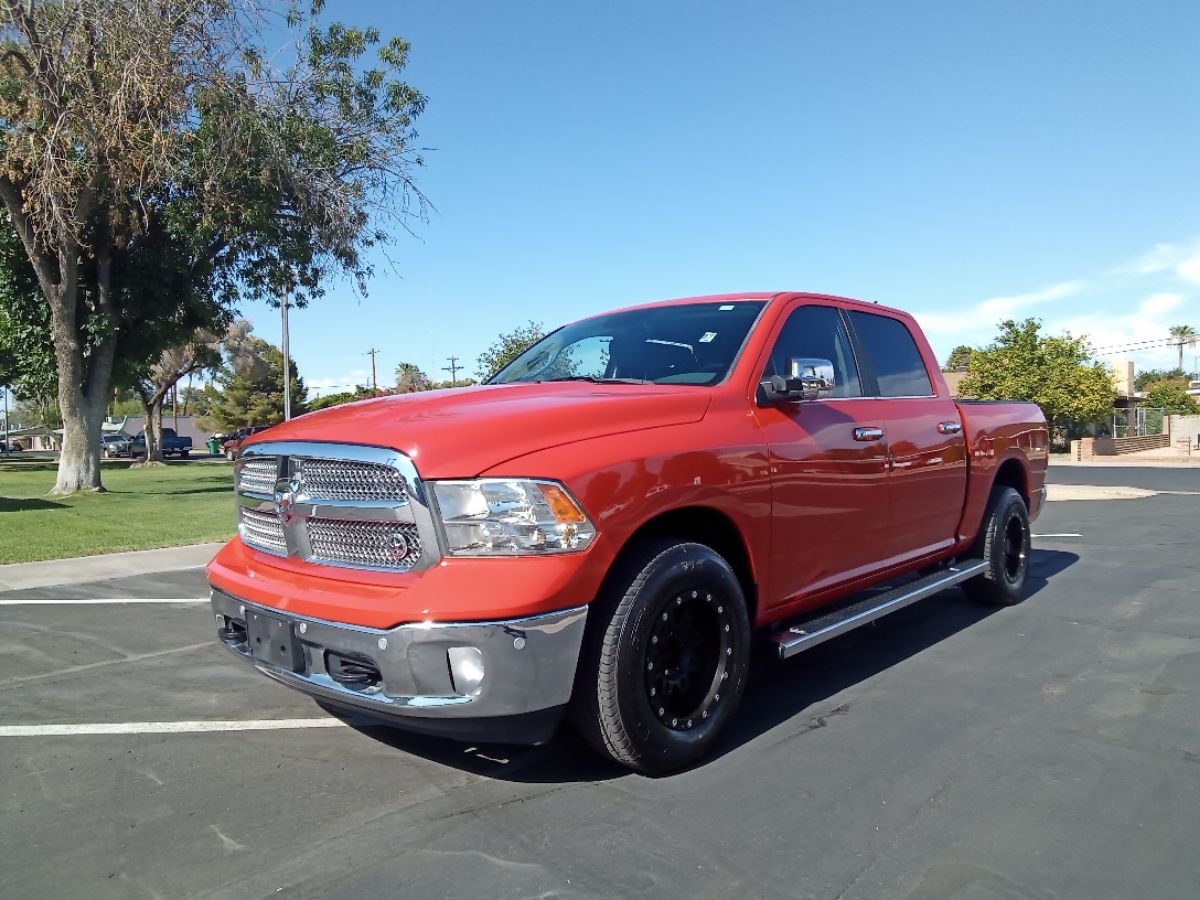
{"type": "Point", "coordinates": [408, 676]}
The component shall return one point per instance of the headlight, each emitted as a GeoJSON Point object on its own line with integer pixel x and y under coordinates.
{"type": "Point", "coordinates": [510, 517]}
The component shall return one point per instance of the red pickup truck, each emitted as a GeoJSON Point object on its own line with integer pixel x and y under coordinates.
{"type": "Point", "coordinates": [608, 524]}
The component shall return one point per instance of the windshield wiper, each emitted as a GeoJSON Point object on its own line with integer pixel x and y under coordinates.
{"type": "Point", "coordinates": [593, 379]}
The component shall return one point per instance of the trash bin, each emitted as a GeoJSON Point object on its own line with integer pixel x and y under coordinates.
{"type": "Point", "coordinates": [213, 446]}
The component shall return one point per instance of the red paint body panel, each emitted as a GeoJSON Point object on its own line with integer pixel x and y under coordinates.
{"type": "Point", "coordinates": [820, 514]}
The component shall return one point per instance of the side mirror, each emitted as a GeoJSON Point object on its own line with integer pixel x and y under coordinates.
{"type": "Point", "coordinates": [807, 379]}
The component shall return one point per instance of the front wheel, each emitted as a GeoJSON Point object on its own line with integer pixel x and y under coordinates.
{"type": "Point", "coordinates": [665, 661]}
{"type": "Point", "coordinates": [1004, 543]}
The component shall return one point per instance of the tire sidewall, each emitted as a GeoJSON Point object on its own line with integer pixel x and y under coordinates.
{"type": "Point", "coordinates": [1009, 505]}
{"type": "Point", "coordinates": [684, 567]}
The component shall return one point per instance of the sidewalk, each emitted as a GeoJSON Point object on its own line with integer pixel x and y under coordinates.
{"type": "Point", "coordinates": [1146, 459]}
{"type": "Point", "coordinates": [80, 569]}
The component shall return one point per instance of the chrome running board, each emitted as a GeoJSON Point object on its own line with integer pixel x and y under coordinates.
{"type": "Point", "coordinates": [824, 624]}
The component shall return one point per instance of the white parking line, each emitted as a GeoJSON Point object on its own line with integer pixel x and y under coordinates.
{"type": "Point", "coordinates": [96, 601]}
{"type": "Point", "coordinates": [1064, 534]}
{"type": "Point", "coordinates": [186, 727]}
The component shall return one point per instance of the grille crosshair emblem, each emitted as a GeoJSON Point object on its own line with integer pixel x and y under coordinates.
{"type": "Point", "coordinates": [283, 506]}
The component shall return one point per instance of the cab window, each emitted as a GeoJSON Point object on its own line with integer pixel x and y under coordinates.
{"type": "Point", "coordinates": [899, 369]}
{"type": "Point", "coordinates": [817, 332]}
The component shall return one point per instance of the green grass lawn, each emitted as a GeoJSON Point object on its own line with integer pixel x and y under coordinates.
{"type": "Point", "coordinates": [183, 503]}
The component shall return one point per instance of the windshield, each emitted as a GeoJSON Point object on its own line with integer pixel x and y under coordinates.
{"type": "Point", "coordinates": [693, 343]}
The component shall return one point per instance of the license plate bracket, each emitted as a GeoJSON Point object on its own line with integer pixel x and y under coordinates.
{"type": "Point", "coordinates": [273, 640]}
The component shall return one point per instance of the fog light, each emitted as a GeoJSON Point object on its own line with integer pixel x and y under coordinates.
{"type": "Point", "coordinates": [466, 670]}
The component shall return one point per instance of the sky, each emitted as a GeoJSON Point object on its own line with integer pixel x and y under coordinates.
{"type": "Point", "coordinates": [965, 161]}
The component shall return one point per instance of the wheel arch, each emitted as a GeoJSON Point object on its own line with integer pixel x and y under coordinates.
{"type": "Point", "coordinates": [1012, 473]}
{"type": "Point", "coordinates": [702, 525]}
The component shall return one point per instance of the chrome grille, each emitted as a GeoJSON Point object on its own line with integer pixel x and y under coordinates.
{"type": "Point", "coordinates": [258, 474]}
{"type": "Point", "coordinates": [343, 479]}
{"type": "Point", "coordinates": [263, 531]}
{"type": "Point", "coordinates": [378, 544]}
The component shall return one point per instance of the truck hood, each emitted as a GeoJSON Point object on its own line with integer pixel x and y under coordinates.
{"type": "Point", "coordinates": [459, 433]}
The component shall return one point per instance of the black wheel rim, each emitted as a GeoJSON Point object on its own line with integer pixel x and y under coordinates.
{"type": "Point", "coordinates": [688, 657]}
{"type": "Point", "coordinates": [1016, 549]}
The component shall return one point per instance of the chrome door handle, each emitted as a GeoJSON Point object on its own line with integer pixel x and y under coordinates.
{"type": "Point", "coordinates": [949, 427]}
{"type": "Point", "coordinates": [868, 434]}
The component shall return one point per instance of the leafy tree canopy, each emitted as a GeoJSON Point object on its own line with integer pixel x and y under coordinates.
{"type": "Point", "coordinates": [249, 390]}
{"type": "Point", "coordinates": [508, 347]}
{"type": "Point", "coordinates": [1149, 376]}
{"type": "Point", "coordinates": [1056, 373]}
{"type": "Point", "coordinates": [958, 358]}
{"type": "Point", "coordinates": [1172, 397]}
{"type": "Point", "coordinates": [410, 378]}
{"type": "Point", "coordinates": [266, 169]}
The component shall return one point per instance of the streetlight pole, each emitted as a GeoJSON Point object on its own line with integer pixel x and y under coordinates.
{"type": "Point", "coordinates": [7, 448]}
{"type": "Point", "coordinates": [287, 363]}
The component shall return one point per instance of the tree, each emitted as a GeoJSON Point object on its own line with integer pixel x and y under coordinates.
{"type": "Point", "coordinates": [409, 379]}
{"type": "Point", "coordinates": [959, 357]}
{"type": "Point", "coordinates": [201, 351]}
{"type": "Point", "coordinates": [1172, 398]}
{"type": "Point", "coordinates": [249, 388]}
{"type": "Point", "coordinates": [336, 399]}
{"type": "Point", "coordinates": [122, 120]}
{"type": "Point", "coordinates": [1148, 377]}
{"type": "Point", "coordinates": [1057, 373]}
{"type": "Point", "coordinates": [506, 348]}
{"type": "Point", "coordinates": [1183, 334]}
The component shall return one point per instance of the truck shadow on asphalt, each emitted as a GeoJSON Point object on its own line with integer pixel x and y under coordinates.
{"type": "Point", "coordinates": [779, 691]}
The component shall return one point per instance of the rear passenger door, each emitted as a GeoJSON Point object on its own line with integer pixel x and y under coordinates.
{"type": "Point", "coordinates": [828, 464]}
{"type": "Point", "coordinates": [927, 458]}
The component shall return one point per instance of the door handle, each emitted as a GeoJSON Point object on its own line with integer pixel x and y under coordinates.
{"type": "Point", "coordinates": [868, 434]}
{"type": "Point", "coordinates": [949, 427]}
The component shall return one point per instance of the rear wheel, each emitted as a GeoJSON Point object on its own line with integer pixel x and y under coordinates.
{"type": "Point", "coordinates": [665, 660]}
{"type": "Point", "coordinates": [1004, 543]}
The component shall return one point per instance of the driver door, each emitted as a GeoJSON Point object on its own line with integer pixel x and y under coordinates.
{"type": "Point", "coordinates": [828, 462]}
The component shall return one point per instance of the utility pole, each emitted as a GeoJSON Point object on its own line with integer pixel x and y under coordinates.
{"type": "Point", "coordinates": [7, 449]}
{"type": "Point", "coordinates": [452, 369]}
{"type": "Point", "coordinates": [287, 362]}
{"type": "Point", "coordinates": [374, 383]}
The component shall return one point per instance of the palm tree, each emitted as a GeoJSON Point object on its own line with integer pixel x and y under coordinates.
{"type": "Point", "coordinates": [1183, 334]}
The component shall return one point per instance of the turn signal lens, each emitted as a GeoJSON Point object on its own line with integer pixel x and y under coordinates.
{"type": "Point", "coordinates": [563, 507]}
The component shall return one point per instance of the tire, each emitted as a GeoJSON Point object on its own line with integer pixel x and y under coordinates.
{"type": "Point", "coordinates": [229, 455]}
{"type": "Point", "coordinates": [1004, 543]}
{"type": "Point", "coordinates": [665, 659]}
{"type": "Point", "coordinates": [183, 454]}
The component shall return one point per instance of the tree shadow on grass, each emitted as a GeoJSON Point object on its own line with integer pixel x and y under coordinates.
{"type": "Point", "coordinates": [8, 504]}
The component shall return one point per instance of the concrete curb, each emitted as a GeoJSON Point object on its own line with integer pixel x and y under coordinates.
{"type": "Point", "coordinates": [81, 569]}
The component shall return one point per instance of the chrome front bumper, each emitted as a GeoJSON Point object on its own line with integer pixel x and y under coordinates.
{"type": "Point", "coordinates": [408, 674]}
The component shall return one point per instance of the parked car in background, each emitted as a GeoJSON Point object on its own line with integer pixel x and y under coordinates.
{"type": "Point", "coordinates": [117, 445]}
{"type": "Point", "coordinates": [232, 445]}
{"type": "Point", "coordinates": [12, 447]}
{"type": "Point", "coordinates": [172, 444]}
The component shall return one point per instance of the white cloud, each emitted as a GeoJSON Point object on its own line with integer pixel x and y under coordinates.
{"type": "Point", "coordinates": [337, 383]}
{"type": "Point", "coordinates": [977, 323]}
{"type": "Point", "coordinates": [1189, 269]}
{"type": "Point", "coordinates": [1158, 304]}
{"type": "Point", "coordinates": [1003, 307]}
{"type": "Point", "coordinates": [1105, 307]}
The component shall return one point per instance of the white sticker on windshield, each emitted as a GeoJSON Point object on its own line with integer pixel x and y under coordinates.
{"type": "Point", "coordinates": [707, 337]}
{"type": "Point", "coordinates": [725, 307]}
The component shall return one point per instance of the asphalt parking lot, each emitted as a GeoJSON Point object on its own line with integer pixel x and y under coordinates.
{"type": "Point", "coordinates": [1050, 750]}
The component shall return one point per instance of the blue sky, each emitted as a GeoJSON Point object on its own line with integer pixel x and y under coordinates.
{"type": "Point", "coordinates": [966, 161]}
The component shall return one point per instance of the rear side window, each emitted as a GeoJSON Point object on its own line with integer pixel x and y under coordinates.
{"type": "Point", "coordinates": [898, 365]}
